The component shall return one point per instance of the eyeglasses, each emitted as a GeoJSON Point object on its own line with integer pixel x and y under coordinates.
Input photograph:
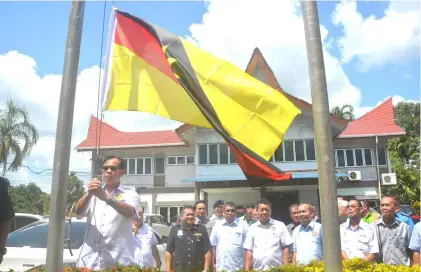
{"type": "Point", "coordinates": [232, 210]}
{"type": "Point", "coordinates": [113, 168]}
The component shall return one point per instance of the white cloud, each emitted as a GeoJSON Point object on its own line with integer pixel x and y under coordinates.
{"type": "Point", "coordinates": [392, 39]}
{"type": "Point", "coordinates": [20, 81]}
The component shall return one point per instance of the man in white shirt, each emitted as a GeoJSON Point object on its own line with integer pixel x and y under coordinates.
{"type": "Point", "coordinates": [227, 240]}
{"type": "Point", "coordinates": [110, 210]}
{"type": "Point", "coordinates": [358, 239]}
{"type": "Point", "coordinates": [145, 242]}
{"type": "Point", "coordinates": [267, 241]}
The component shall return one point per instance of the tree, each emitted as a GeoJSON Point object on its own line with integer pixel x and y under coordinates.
{"type": "Point", "coordinates": [15, 130]}
{"type": "Point", "coordinates": [404, 153]}
{"type": "Point", "coordinates": [75, 189]}
{"type": "Point", "coordinates": [345, 112]}
{"type": "Point", "coordinates": [27, 198]}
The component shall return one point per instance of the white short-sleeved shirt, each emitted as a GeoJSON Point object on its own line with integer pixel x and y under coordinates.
{"type": "Point", "coordinates": [360, 242]}
{"type": "Point", "coordinates": [228, 240]}
{"type": "Point", "coordinates": [143, 242]}
{"type": "Point", "coordinates": [109, 237]}
{"type": "Point", "coordinates": [267, 242]}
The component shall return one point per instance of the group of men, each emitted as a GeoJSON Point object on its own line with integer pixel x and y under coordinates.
{"type": "Point", "coordinates": [224, 242]}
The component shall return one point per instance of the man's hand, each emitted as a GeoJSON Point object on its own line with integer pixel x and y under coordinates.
{"type": "Point", "coordinates": [94, 188]}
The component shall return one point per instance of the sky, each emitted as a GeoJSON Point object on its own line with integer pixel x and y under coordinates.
{"type": "Point", "coordinates": [371, 52]}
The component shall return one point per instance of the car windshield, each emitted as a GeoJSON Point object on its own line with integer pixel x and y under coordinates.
{"type": "Point", "coordinates": [35, 235]}
{"type": "Point", "coordinates": [406, 210]}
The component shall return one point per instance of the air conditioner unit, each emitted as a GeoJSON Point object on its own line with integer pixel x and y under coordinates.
{"type": "Point", "coordinates": [389, 179]}
{"type": "Point", "coordinates": [354, 175]}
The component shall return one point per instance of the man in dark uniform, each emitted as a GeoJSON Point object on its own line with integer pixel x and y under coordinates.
{"type": "Point", "coordinates": [6, 213]}
{"type": "Point", "coordinates": [188, 246]}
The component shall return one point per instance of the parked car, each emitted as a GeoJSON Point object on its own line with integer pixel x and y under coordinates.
{"type": "Point", "coordinates": [158, 223]}
{"type": "Point", "coordinates": [22, 219]}
{"type": "Point", "coordinates": [27, 247]}
{"type": "Point", "coordinates": [406, 209]}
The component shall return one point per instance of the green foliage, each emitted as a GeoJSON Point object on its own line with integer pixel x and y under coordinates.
{"type": "Point", "coordinates": [404, 154]}
{"type": "Point", "coordinates": [76, 189]}
{"type": "Point", "coordinates": [345, 112]}
{"type": "Point", "coordinates": [352, 265]}
{"type": "Point", "coordinates": [17, 136]}
{"type": "Point", "coordinates": [27, 198]}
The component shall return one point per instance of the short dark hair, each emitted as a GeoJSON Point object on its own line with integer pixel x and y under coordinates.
{"type": "Point", "coordinates": [394, 198]}
{"type": "Point", "coordinates": [359, 202]}
{"type": "Point", "coordinates": [249, 207]}
{"type": "Point", "coordinates": [199, 202]}
{"type": "Point", "coordinates": [120, 161]}
{"type": "Point", "coordinates": [230, 204]}
{"type": "Point", "coordinates": [264, 202]}
{"type": "Point", "coordinates": [187, 207]}
{"type": "Point", "coordinates": [292, 206]}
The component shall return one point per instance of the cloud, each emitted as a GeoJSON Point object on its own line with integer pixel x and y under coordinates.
{"type": "Point", "coordinates": [20, 81]}
{"type": "Point", "coordinates": [374, 42]}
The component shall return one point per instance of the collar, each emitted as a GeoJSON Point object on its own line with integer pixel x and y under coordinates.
{"type": "Point", "coordinates": [361, 225]}
{"type": "Point", "coordinates": [311, 225]}
{"type": "Point", "coordinates": [380, 221]}
{"type": "Point", "coordinates": [228, 224]}
{"type": "Point", "coordinates": [271, 222]}
{"type": "Point", "coordinates": [120, 188]}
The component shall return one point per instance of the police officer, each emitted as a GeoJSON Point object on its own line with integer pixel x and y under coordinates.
{"type": "Point", "coordinates": [188, 246]}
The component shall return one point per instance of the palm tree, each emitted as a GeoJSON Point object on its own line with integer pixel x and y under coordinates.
{"type": "Point", "coordinates": [17, 136]}
{"type": "Point", "coordinates": [345, 112]}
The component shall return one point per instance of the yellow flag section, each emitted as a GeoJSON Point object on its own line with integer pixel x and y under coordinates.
{"type": "Point", "coordinates": [152, 70]}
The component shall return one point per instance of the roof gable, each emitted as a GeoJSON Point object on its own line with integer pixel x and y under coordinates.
{"type": "Point", "coordinates": [257, 61]}
{"type": "Point", "coordinates": [111, 137]}
{"type": "Point", "coordinates": [377, 122]}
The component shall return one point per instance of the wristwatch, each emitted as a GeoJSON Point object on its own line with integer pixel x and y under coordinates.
{"type": "Point", "coordinates": [111, 201]}
{"type": "Point", "coordinates": [3, 251]}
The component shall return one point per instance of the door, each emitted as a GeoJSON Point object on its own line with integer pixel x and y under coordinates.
{"type": "Point", "coordinates": [281, 201]}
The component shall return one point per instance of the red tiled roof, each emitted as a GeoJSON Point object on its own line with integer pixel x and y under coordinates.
{"type": "Point", "coordinates": [113, 138]}
{"type": "Point", "coordinates": [377, 122]}
{"type": "Point", "coordinates": [257, 60]}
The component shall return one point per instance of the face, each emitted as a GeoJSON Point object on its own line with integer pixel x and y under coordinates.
{"type": "Point", "coordinates": [138, 222]}
{"type": "Point", "coordinates": [353, 209]}
{"type": "Point", "coordinates": [264, 212]}
{"type": "Point", "coordinates": [294, 214]}
{"type": "Point", "coordinates": [255, 215]}
{"type": "Point", "coordinates": [111, 173]}
{"type": "Point", "coordinates": [387, 206]}
{"type": "Point", "coordinates": [305, 214]}
{"type": "Point", "coordinates": [230, 213]}
{"type": "Point", "coordinates": [249, 213]}
{"type": "Point", "coordinates": [364, 207]}
{"type": "Point", "coordinates": [188, 217]}
{"type": "Point", "coordinates": [341, 210]}
{"type": "Point", "coordinates": [219, 210]}
{"type": "Point", "coordinates": [200, 209]}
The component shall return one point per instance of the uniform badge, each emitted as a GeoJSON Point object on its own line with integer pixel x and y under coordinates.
{"type": "Point", "coordinates": [180, 233]}
{"type": "Point", "coordinates": [314, 233]}
{"type": "Point", "coordinates": [118, 197]}
{"type": "Point", "coordinates": [273, 228]}
{"type": "Point", "coordinates": [198, 234]}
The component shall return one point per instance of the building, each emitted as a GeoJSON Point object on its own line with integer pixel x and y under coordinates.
{"type": "Point", "coordinates": [172, 168]}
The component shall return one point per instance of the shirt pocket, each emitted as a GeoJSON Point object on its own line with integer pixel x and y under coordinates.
{"type": "Point", "coordinates": [363, 244]}
{"type": "Point", "coordinates": [238, 238]}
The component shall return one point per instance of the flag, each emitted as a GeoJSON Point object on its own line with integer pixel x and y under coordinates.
{"type": "Point", "coordinates": [151, 70]}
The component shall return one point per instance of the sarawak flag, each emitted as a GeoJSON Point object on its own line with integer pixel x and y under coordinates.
{"type": "Point", "coordinates": [152, 70]}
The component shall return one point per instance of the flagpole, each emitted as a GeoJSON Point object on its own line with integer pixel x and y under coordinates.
{"type": "Point", "coordinates": [323, 134]}
{"type": "Point", "coordinates": [59, 186]}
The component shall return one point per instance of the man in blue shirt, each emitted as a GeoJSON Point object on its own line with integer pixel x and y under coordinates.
{"type": "Point", "coordinates": [414, 244]}
{"type": "Point", "coordinates": [403, 217]}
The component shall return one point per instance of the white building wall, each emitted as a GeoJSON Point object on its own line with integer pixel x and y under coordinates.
{"type": "Point", "coordinates": [146, 202]}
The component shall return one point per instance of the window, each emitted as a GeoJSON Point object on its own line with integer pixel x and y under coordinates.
{"type": "Point", "coordinates": [353, 157]}
{"type": "Point", "coordinates": [160, 165]}
{"type": "Point", "coordinates": [139, 166]}
{"type": "Point", "coordinates": [170, 213]}
{"type": "Point", "coordinates": [178, 160]}
{"type": "Point", "coordinates": [35, 235]}
{"type": "Point", "coordinates": [215, 154]}
{"type": "Point", "coordinates": [381, 156]}
{"type": "Point", "coordinates": [295, 150]}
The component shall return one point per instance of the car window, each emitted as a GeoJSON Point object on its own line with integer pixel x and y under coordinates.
{"type": "Point", "coordinates": [22, 221]}
{"type": "Point", "coordinates": [35, 235]}
{"type": "Point", "coordinates": [406, 210]}
{"type": "Point", "coordinates": [158, 238]}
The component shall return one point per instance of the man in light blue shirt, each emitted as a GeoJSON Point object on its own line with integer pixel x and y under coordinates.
{"type": "Point", "coordinates": [414, 244]}
{"type": "Point", "coordinates": [227, 240]}
{"type": "Point", "coordinates": [307, 238]}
